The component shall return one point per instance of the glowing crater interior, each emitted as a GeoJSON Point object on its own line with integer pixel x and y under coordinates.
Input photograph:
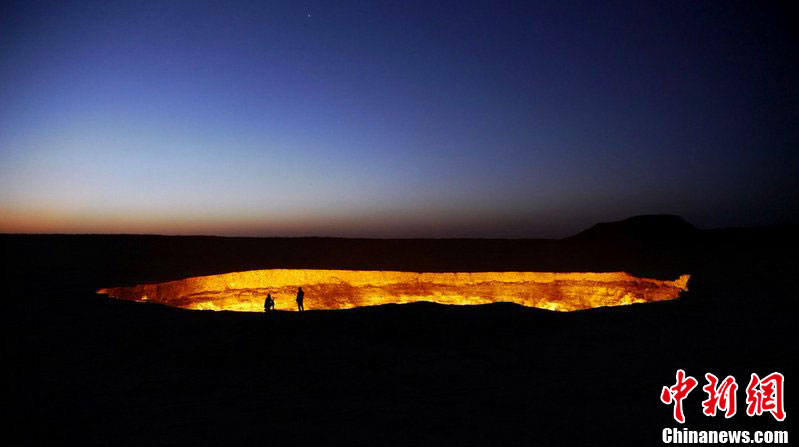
{"type": "Point", "coordinates": [345, 289]}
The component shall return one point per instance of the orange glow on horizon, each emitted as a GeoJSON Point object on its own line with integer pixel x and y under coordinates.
{"type": "Point", "coordinates": [65, 220]}
{"type": "Point", "coordinates": [345, 289]}
{"type": "Point", "coordinates": [55, 220]}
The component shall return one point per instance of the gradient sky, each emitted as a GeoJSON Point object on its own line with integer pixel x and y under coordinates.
{"type": "Point", "coordinates": [401, 118]}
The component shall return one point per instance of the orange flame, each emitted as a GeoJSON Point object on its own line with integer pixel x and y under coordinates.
{"type": "Point", "coordinates": [345, 289]}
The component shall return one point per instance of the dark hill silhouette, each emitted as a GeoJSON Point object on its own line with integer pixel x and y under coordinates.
{"type": "Point", "coordinates": [639, 228]}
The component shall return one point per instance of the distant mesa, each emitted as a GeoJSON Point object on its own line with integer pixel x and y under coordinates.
{"type": "Point", "coordinates": [638, 228]}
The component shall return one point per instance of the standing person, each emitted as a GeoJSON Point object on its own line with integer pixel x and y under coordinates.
{"type": "Point", "coordinates": [300, 296]}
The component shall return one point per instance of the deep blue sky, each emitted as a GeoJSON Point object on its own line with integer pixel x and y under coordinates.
{"type": "Point", "coordinates": [378, 119]}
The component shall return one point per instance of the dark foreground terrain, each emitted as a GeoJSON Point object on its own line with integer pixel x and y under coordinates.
{"type": "Point", "coordinates": [89, 369]}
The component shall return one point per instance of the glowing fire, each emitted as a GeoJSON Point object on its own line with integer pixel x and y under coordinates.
{"type": "Point", "coordinates": [344, 289]}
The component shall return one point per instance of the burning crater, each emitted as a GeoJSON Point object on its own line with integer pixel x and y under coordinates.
{"type": "Point", "coordinates": [345, 289]}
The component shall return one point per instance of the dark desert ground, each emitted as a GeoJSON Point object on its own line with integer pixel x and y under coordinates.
{"type": "Point", "coordinates": [86, 368]}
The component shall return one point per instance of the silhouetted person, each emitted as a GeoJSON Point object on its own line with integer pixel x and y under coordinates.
{"type": "Point", "coordinates": [269, 303]}
{"type": "Point", "coordinates": [300, 296]}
